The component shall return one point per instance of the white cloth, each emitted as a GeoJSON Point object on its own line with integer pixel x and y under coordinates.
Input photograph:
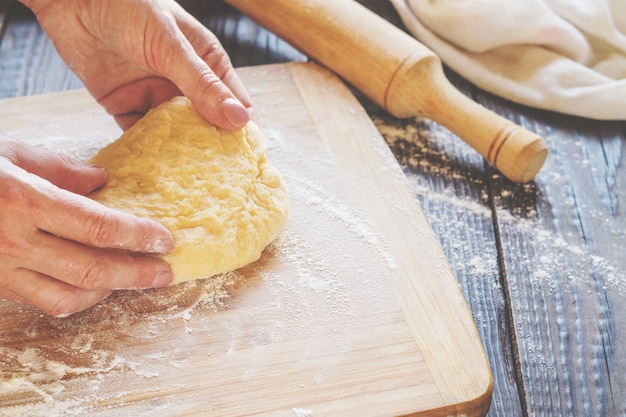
{"type": "Point", "coordinates": [563, 55]}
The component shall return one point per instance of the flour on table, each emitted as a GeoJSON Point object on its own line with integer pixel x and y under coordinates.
{"type": "Point", "coordinates": [35, 380]}
{"type": "Point", "coordinates": [422, 143]}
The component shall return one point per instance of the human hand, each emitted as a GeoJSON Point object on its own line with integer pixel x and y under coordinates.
{"type": "Point", "coordinates": [135, 54]}
{"type": "Point", "coordinates": [61, 252]}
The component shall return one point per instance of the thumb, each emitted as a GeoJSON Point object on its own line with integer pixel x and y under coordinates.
{"type": "Point", "coordinates": [203, 73]}
{"type": "Point", "coordinates": [60, 170]}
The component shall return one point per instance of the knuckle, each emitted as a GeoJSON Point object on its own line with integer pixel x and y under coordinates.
{"type": "Point", "coordinates": [208, 83]}
{"type": "Point", "coordinates": [219, 65]}
{"type": "Point", "coordinates": [142, 271]}
{"type": "Point", "coordinates": [15, 196]}
{"type": "Point", "coordinates": [16, 206]}
{"type": "Point", "coordinates": [11, 148]}
{"type": "Point", "coordinates": [92, 275]}
{"type": "Point", "coordinates": [139, 275]}
{"type": "Point", "coordinates": [101, 230]}
{"type": "Point", "coordinates": [215, 55]}
{"type": "Point", "coordinates": [11, 246]}
{"type": "Point", "coordinates": [10, 249]}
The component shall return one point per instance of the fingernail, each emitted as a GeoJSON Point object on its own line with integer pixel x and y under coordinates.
{"type": "Point", "coordinates": [162, 243]}
{"type": "Point", "coordinates": [235, 112]}
{"type": "Point", "coordinates": [163, 279]}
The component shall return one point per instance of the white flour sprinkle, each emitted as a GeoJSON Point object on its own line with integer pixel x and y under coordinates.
{"type": "Point", "coordinates": [575, 263]}
{"type": "Point", "coordinates": [36, 380]}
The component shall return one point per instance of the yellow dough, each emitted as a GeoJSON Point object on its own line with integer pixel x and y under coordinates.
{"type": "Point", "coordinates": [214, 190]}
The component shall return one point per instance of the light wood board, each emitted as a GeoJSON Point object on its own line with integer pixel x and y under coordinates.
{"type": "Point", "coordinates": [353, 311]}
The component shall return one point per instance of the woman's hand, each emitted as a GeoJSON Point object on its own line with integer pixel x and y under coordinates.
{"type": "Point", "coordinates": [134, 54]}
{"type": "Point", "coordinates": [60, 251]}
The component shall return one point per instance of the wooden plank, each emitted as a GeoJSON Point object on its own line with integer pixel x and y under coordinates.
{"type": "Point", "coordinates": [30, 63]}
{"type": "Point", "coordinates": [454, 189]}
{"type": "Point", "coordinates": [562, 239]}
{"type": "Point", "coordinates": [353, 311]}
{"type": "Point", "coordinates": [239, 34]}
{"type": "Point", "coordinates": [456, 193]}
{"type": "Point", "coordinates": [452, 186]}
{"type": "Point", "coordinates": [559, 242]}
{"type": "Point", "coordinates": [246, 42]}
{"type": "Point", "coordinates": [453, 381]}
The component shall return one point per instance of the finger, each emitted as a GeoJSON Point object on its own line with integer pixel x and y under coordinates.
{"type": "Point", "coordinates": [11, 296]}
{"type": "Point", "coordinates": [209, 49]}
{"type": "Point", "coordinates": [91, 269]}
{"type": "Point", "coordinates": [53, 297]}
{"type": "Point", "coordinates": [83, 220]}
{"type": "Point", "coordinates": [197, 80]}
{"type": "Point", "coordinates": [210, 95]}
{"type": "Point", "coordinates": [61, 170]}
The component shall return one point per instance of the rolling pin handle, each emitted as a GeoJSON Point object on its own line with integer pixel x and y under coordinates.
{"type": "Point", "coordinates": [517, 153]}
{"type": "Point", "coordinates": [396, 72]}
{"type": "Point", "coordinates": [421, 87]}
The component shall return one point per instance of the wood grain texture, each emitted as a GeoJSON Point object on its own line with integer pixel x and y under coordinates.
{"type": "Point", "coordinates": [373, 270]}
{"type": "Point", "coordinates": [541, 265]}
{"type": "Point", "coordinates": [560, 265]}
{"type": "Point", "coordinates": [30, 64]}
{"type": "Point", "coordinates": [414, 296]}
{"type": "Point", "coordinates": [566, 288]}
{"type": "Point", "coordinates": [246, 42]}
{"type": "Point", "coordinates": [452, 185]}
{"type": "Point", "coordinates": [401, 75]}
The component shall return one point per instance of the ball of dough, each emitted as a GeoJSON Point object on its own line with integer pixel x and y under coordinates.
{"type": "Point", "coordinates": [213, 189]}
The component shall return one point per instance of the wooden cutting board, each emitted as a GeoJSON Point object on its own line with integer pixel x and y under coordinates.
{"type": "Point", "coordinates": [354, 311]}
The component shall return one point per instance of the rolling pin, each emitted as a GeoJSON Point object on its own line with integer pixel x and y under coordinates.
{"type": "Point", "coordinates": [398, 73]}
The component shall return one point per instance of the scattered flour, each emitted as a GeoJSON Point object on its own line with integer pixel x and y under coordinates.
{"type": "Point", "coordinates": [419, 146]}
{"type": "Point", "coordinates": [36, 380]}
{"type": "Point", "coordinates": [87, 357]}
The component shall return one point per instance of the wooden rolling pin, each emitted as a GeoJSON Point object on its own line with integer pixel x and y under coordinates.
{"type": "Point", "coordinates": [398, 73]}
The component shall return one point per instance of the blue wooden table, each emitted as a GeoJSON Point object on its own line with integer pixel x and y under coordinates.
{"type": "Point", "coordinates": [542, 265]}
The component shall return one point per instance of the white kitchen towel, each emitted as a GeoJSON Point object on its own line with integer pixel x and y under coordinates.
{"type": "Point", "coordinates": [567, 56]}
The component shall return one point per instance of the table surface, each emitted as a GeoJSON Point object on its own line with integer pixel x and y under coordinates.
{"type": "Point", "coordinates": [542, 265]}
